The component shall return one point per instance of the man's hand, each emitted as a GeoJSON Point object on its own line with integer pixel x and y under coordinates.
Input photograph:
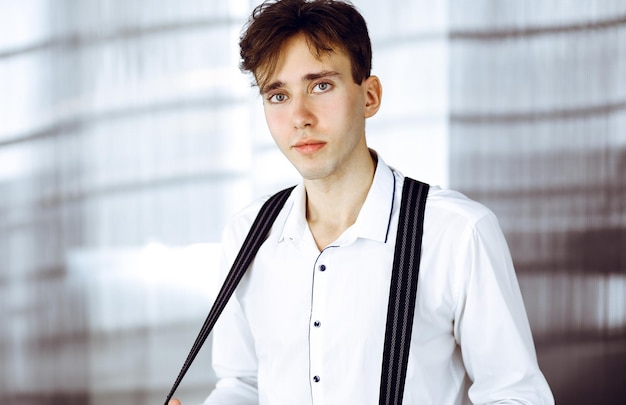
{"type": "Point", "coordinates": [173, 402]}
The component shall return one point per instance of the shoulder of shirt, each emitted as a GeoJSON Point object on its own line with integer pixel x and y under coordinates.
{"type": "Point", "coordinates": [453, 205]}
{"type": "Point", "coordinates": [449, 206]}
{"type": "Point", "coordinates": [239, 224]}
{"type": "Point", "coordinates": [242, 219]}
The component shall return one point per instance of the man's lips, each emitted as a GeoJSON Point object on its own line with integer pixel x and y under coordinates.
{"type": "Point", "coordinates": [308, 147]}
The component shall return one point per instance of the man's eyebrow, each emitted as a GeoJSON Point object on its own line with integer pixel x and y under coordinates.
{"type": "Point", "coordinates": [306, 78]}
{"type": "Point", "coordinates": [324, 73]}
{"type": "Point", "coordinates": [273, 86]}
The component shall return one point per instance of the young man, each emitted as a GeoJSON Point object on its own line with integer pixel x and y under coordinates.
{"type": "Point", "coordinates": [307, 323]}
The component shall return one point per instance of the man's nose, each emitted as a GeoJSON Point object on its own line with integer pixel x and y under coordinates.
{"type": "Point", "coordinates": [302, 114]}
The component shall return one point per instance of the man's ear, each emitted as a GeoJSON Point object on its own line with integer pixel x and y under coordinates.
{"type": "Point", "coordinates": [373, 95]}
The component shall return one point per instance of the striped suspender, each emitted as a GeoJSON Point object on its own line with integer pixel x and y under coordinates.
{"type": "Point", "coordinates": [403, 290]}
{"type": "Point", "coordinates": [401, 295]}
{"type": "Point", "coordinates": [256, 236]}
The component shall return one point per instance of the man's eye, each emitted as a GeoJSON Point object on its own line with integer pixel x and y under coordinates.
{"type": "Point", "coordinates": [277, 98]}
{"type": "Point", "coordinates": [321, 87]}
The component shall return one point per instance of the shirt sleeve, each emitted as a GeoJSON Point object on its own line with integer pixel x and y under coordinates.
{"type": "Point", "coordinates": [234, 360]}
{"type": "Point", "coordinates": [492, 327]}
{"type": "Point", "coordinates": [234, 356]}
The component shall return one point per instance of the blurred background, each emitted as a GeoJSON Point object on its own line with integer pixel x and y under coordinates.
{"type": "Point", "coordinates": [128, 136]}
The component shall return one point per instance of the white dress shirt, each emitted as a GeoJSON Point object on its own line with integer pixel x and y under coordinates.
{"type": "Point", "coordinates": [307, 327]}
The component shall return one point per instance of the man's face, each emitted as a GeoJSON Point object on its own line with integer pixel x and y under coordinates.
{"type": "Point", "coordinates": [315, 112]}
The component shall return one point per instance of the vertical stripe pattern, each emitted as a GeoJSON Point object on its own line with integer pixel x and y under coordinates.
{"type": "Point", "coordinates": [256, 236]}
{"type": "Point", "coordinates": [402, 292]}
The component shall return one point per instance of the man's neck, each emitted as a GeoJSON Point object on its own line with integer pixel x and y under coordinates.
{"type": "Point", "coordinates": [333, 204]}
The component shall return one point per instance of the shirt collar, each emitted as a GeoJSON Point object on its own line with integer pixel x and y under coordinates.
{"type": "Point", "coordinates": [373, 220]}
{"type": "Point", "coordinates": [295, 224]}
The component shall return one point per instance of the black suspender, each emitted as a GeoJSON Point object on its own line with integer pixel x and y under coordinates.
{"type": "Point", "coordinates": [403, 290]}
{"type": "Point", "coordinates": [401, 295]}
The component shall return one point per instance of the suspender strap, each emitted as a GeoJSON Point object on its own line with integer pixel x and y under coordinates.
{"type": "Point", "coordinates": [402, 292]}
{"type": "Point", "coordinates": [256, 236]}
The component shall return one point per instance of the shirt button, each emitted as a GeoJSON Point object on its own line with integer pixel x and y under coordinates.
{"type": "Point", "coordinates": [322, 267]}
{"type": "Point", "coordinates": [316, 378]}
{"type": "Point", "coordinates": [317, 324]}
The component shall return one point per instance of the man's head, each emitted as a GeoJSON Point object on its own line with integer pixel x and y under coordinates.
{"type": "Point", "coordinates": [328, 26]}
{"type": "Point", "coordinates": [311, 61]}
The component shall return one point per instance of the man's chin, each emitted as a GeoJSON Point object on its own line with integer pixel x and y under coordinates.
{"type": "Point", "coordinates": [312, 175]}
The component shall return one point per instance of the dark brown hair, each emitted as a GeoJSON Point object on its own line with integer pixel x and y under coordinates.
{"type": "Point", "coordinates": [327, 25]}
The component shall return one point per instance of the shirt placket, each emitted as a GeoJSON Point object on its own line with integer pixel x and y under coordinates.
{"type": "Point", "coordinates": [316, 327]}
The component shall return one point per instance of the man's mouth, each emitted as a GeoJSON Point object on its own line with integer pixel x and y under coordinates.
{"type": "Point", "coordinates": [308, 147]}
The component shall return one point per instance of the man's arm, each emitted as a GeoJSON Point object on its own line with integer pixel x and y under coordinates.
{"type": "Point", "coordinates": [492, 326]}
{"type": "Point", "coordinates": [234, 359]}
{"type": "Point", "coordinates": [233, 349]}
